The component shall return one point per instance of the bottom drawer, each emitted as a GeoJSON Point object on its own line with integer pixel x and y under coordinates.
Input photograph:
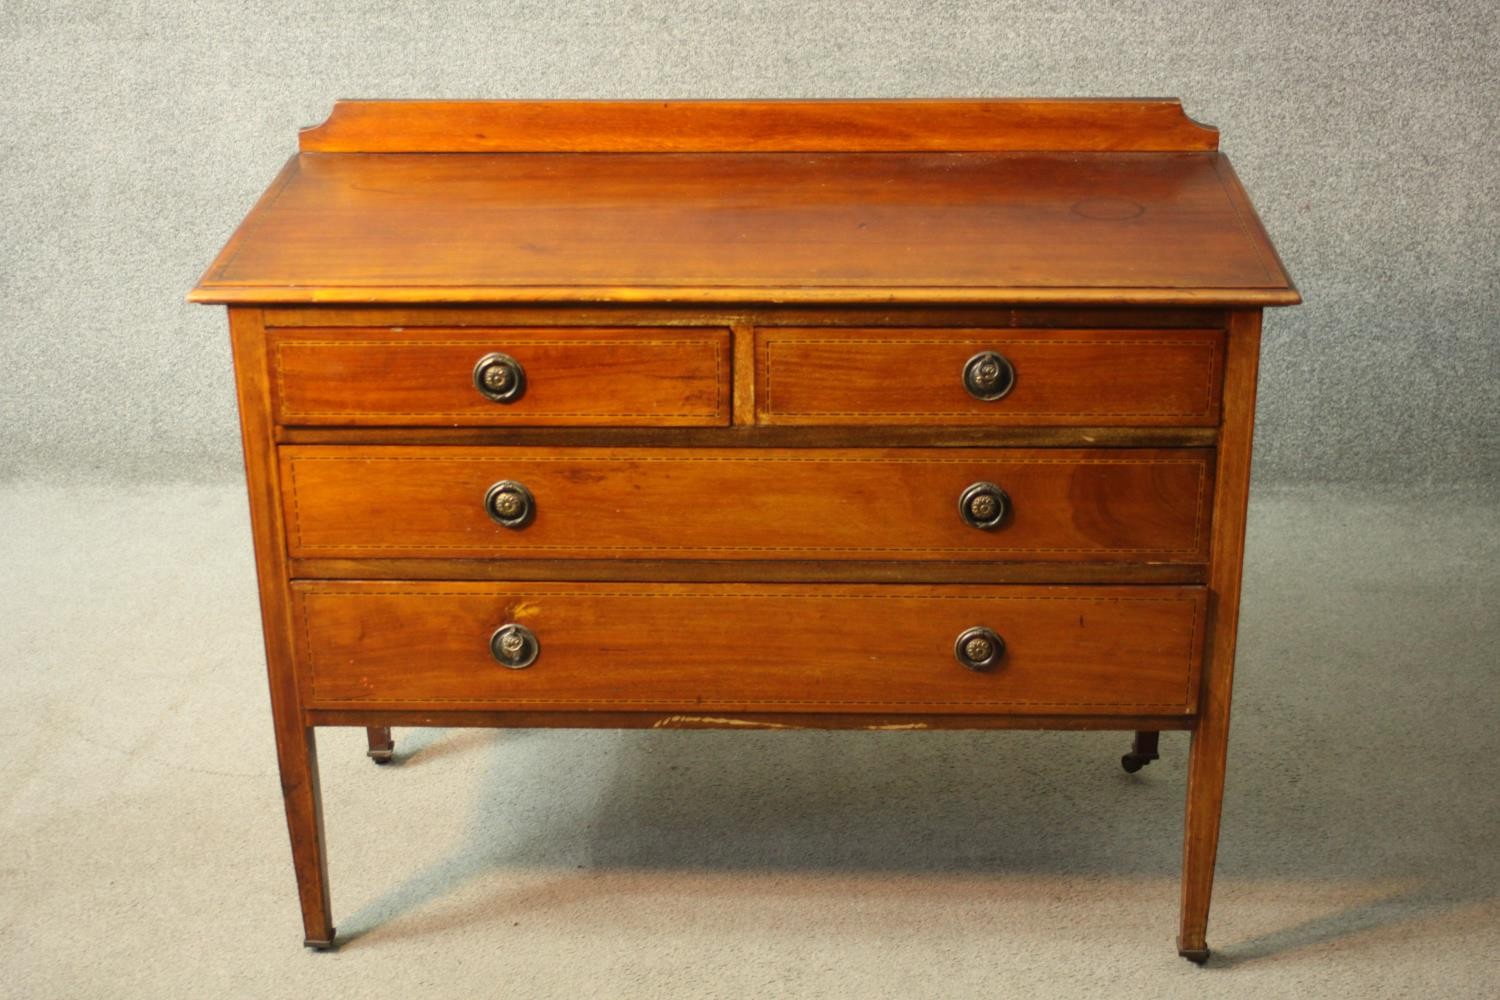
{"type": "Point", "coordinates": [739, 647]}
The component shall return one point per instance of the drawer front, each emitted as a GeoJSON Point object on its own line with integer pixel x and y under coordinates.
{"type": "Point", "coordinates": [736, 647]}
{"type": "Point", "coordinates": [1127, 505]}
{"type": "Point", "coordinates": [811, 375]}
{"type": "Point", "coordinates": [569, 377]}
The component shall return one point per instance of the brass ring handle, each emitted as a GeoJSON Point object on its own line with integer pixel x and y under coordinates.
{"type": "Point", "coordinates": [979, 648]}
{"type": "Point", "coordinates": [514, 646]}
{"type": "Point", "coordinates": [983, 506]}
{"type": "Point", "coordinates": [989, 375]}
{"type": "Point", "coordinates": [499, 377]}
{"type": "Point", "coordinates": [510, 503]}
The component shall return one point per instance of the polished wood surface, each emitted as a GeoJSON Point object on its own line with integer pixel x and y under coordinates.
{"type": "Point", "coordinates": [658, 315]}
{"type": "Point", "coordinates": [703, 649]}
{"type": "Point", "coordinates": [903, 721]}
{"type": "Point", "coordinates": [821, 126]}
{"type": "Point", "coordinates": [914, 375]}
{"type": "Point", "coordinates": [573, 377]}
{"type": "Point", "coordinates": [786, 226]}
{"type": "Point", "coordinates": [855, 227]}
{"type": "Point", "coordinates": [1208, 756]}
{"type": "Point", "coordinates": [773, 436]}
{"type": "Point", "coordinates": [766, 503]}
{"type": "Point", "coordinates": [743, 326]}
{"type": "Point", "coordinates": [749, 570]}
{"type": "Point", "coordinates": [296, 741]}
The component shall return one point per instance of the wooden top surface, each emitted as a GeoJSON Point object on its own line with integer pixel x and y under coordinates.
{"type": "Point", "coordinates": [672, 201]}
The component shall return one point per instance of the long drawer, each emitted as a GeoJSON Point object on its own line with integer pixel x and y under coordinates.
{"type": "Point", "coordinates": [738, 647]}
{"type": "Point", "coordinates": [511, 376]}
{"type": "Point", "coordinates": [931, 376]}
{"type": "Point", "coordinates": [1125, 505]}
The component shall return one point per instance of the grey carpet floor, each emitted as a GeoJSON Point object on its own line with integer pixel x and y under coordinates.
{"type": "Point", "coordinates": [143, 852]}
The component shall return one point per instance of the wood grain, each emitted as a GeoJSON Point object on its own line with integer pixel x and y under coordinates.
{"type": "Point", "coordinates": [689, 503]}
{"type": "Point", "coordinates": [672, 273]}
{"type": "Point", "coordinates": [744, 373]}
{"type": "Point", "coordinates": [575, 376]}
{"type": "Point", "coordinates": [772, 436]}
{"type": "Point", "coordinates": [296, 742]}
{"type": "Point", "coordinates": [914, 375]}
{"type": "Point", "coordinates": [702, 648]}
{"type": "Point", "coordinates": [618, 314]}
{"type": "Point", "coordinates": [1120, 125]}
{"type": "Point", "coordinates": [750, 570]}
{"type": "Point", "coordinates": [1208, 756]}
{"type": "Point", "coordinates": [904, 721]}
{"type": "Point", "coordinates": [1014, 228]}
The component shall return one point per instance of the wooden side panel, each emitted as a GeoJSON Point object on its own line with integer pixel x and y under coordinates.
{"type": "Point", "coordinates": [812, 375]}
{"type": "Point", "coordinates": [695, 503]}
{"type": "Point", "coordinates": [1151, 124]}
{"type": "Point", "coordinates": [702, 648]}
{"type": "Point", "coordinates": [574, 377]}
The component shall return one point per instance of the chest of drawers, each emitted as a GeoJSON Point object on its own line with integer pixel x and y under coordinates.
{"type": "Point", "coordinates": [906, 414]}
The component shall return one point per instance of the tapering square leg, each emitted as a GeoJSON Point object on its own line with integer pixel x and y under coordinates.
{"type": "Point", "coordinates": [304, 820]}
{"type": "Point", "coordinates": [1210, 742]}
{"type": "Point", "coordinates": [1205, 799]}
{"type": "Point", "coordinates": [296, 744]}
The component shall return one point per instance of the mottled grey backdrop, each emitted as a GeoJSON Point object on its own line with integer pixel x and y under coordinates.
{"type": "Point", "coordinates": [135, 135]}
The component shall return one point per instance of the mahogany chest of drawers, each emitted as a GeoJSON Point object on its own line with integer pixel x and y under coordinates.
{"type": "Point", "coordinates": [906, 414]}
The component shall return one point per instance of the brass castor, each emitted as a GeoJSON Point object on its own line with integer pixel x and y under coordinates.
{"type": "Point", "coordinates": [1133, 762]}
{"type": "Point", "coordinates": [318, 945]}
{"type": "Point", "coordinates": [382, 745]}
{"type": "Point", "coordinates": [1195, 955]}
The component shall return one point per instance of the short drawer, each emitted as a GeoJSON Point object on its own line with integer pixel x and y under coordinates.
{"type": "Point", "coordinates": [530, 377]}
{"type": "Point", "coordinates": [1125, 505]}
{"type": "Point", "coordinates": [817, 375]}
{"type": "Point", "coordinates": [737, 647]}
